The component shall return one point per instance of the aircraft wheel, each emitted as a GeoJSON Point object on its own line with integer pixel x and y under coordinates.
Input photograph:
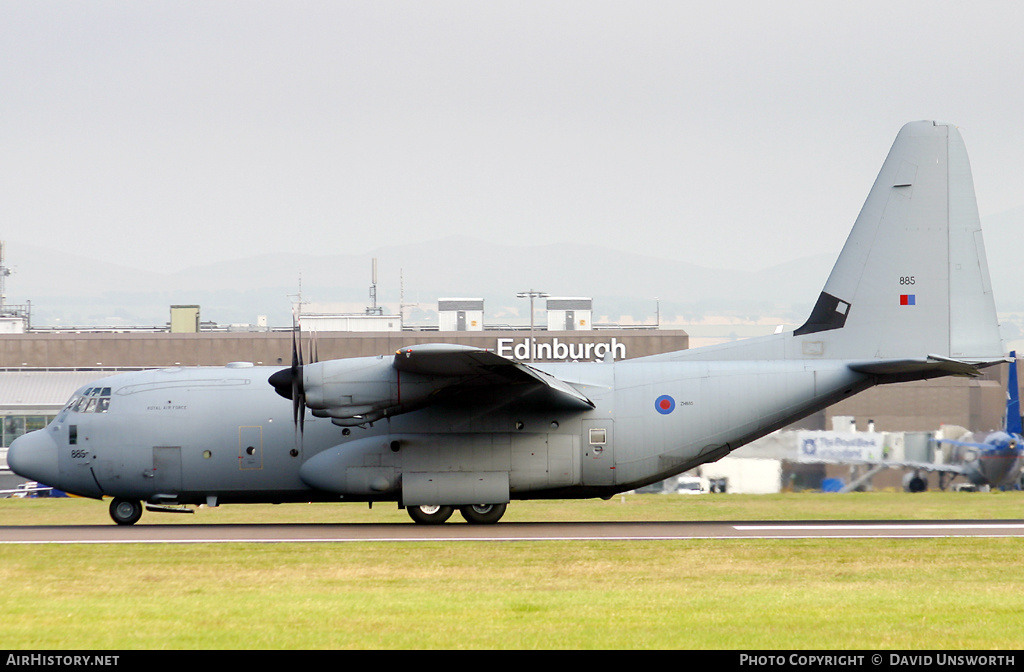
{"type": "Point", "coordinates": [483, 514]}
{"type": "Point", "coordinates": [125, 511]}
{"type": "Point", "coordinates": [431, 514]}
{"type": "Point", "coordinates": [914, 483]}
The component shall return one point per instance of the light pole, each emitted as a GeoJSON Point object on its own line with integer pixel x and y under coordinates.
{"type": "Point", "coordinates": [531, 294]}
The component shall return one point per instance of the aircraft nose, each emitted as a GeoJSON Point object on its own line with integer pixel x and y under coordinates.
{"type": "Point", "coordinates": [34, 456]}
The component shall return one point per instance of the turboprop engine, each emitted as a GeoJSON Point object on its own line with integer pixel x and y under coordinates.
{"type": "Point", "coordinates": [356, 391]}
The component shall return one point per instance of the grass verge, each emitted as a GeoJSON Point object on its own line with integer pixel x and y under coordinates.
{"type": "Point", "coordinates": [728, 594]}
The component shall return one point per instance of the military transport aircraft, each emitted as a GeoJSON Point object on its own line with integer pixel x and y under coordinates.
{"type": "Point", "coordinates": [439, 427]}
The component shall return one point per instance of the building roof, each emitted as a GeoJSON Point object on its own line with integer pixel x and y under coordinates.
{"type": "Point", "coordinates": [42, 391]}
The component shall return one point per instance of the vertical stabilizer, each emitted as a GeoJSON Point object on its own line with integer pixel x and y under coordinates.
{"type": "Point", "coordinates": [912, 279]}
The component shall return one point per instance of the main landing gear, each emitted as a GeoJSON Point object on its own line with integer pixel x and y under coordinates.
{"type": "Point", "coordinates": [128, 511]}
{"type": "Point", "coordinates": [476, 514]}
{"type": "Point", "coordinates": [125, 511]}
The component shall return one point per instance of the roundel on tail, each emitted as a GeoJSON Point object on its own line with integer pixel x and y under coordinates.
{"type": "Point", "coordinates": [664, 404]}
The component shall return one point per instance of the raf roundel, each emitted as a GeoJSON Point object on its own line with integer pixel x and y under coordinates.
{"type": "Point", "coordinates": [664, 404]}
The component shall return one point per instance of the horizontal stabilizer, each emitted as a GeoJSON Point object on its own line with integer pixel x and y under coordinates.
{"type": "Point", "coordinates": [928, 367]}
{"type": "Point", "coordinates": [967, 444]}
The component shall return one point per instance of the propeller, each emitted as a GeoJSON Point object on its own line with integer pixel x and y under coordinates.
{"type": "Point", "coordinates": [288, 383]}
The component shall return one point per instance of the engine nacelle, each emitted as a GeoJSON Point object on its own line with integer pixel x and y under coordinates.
{"type": "Point", "coordinates": [363, 389]}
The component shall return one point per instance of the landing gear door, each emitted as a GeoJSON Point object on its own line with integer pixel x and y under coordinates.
{"type": "Point", "coordinates": [598, 454]}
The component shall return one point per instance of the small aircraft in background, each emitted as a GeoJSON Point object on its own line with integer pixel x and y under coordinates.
{"type": "Point", "coordinates": [995, 461]}
{"type": "Point", "coordinates": [440, 427]}
{"type": "Point", "coordinates": [31, 489]}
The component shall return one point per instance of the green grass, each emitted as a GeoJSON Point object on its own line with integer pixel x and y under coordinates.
{"type": "Point", "coordinates": [727, 594]}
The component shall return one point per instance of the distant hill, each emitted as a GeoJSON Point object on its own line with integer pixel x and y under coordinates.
{"type": "Point", "coordinates": [627, 288]}
{"type": "Point", "coordinates": [67, 289]}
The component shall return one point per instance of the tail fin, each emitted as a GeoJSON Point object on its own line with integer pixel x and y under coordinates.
{"type": "Point", "coordinates": [912, 279]}
{"type": "Point", "coordinates": [1013, 421]}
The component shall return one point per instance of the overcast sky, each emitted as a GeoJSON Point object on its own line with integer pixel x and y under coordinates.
{"type": "Point", "coordinates": [166, 134]}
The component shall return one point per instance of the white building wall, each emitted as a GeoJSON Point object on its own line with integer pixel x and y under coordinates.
{"type": "Point", "coordinates": [317, 323]}
{"type": "Point", "coordinates": [460, 314]}
{"type": "Point", "coordinates": [12, 325]}
{"type": "Point", "coordinates": [581, 309]}
{"type": "Point", "coordinates": [746, 476]}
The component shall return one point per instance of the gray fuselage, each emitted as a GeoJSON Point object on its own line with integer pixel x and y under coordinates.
{"type": "Point", "coordinates": [186, 435]}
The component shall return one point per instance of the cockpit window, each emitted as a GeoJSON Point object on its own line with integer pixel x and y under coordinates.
{"type": "Point", "coordinates": [92, 400]}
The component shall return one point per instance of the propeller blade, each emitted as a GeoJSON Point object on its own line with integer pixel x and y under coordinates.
{"type": "Point", "coordinates": [295, 350]}
{"type": "Point", "coordinates": [288, 384]}
{"type": "Point", "coordinates": [298, 393]}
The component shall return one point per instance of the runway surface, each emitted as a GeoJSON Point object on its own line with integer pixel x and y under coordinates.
{"type": "Point", "coordinates": [630, 531]}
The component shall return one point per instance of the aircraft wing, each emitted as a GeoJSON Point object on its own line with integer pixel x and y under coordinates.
{"type": "Point", "coordinates": [362, 390]}
{"type": "Point", "coordinates": [473, 367]}
{"type": "Point", "coordinates": [966, 444]}
{"type": "Point", "coordinates": [889, 464]}
{"type": "Point", "coordinates": [26, 490]}
{"type": "Point", "coordinates": [927, 466]}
